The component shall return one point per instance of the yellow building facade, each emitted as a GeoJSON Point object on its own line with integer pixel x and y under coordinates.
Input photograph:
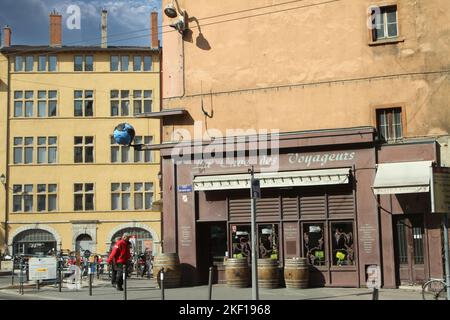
{"type": "Point", "coordinates": [67, 185]}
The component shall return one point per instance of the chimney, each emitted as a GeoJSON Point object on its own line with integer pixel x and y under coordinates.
{"type": "Point", "coordinates": [55, 29]}
{"type": "Point", "coordinates": [154, 29]}
{"type": "Point", "coordinates": [7, 36]}
{"type": "Point", "coordinates": [104, 28]}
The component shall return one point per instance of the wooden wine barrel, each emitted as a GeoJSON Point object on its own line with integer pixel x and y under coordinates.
{"type": "Point", "coordinates": [237, 272]}
{"type": "Point", "coordinates": [172, 269]}
{"type": "Point", "coordinates": [296, 273]}
{"type": "Point", "coordinates": [268, 273]}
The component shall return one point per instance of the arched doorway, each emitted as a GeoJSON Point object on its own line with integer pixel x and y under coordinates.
{"type": "Point", "coordinates": [34, 241]}
{"type": "Point", "coordinates": [83, 242]}
{"type": "Point", "coordinates": [141, 239]}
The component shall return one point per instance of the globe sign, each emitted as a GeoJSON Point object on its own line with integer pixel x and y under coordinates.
{"type": "Point", "coordinates": [124, 134]}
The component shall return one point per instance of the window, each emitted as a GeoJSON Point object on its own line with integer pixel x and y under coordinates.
{"type": "Point", "coordinates": [147, 63]}
{"type": "Point", "coordinates": [114, 63]}
{"type": "Point", "coordinates": [47, 103]}
{"type": "Point", "coordinates": [241, 241]}
{"type": "Point", "coordinates": [46, 150]}
{"type": "Point", "coordinates": [384, 23]}
{"type": "Point", "coordinates": [124, 63]}
{"type": "Point", "coordinates": [342, 243]}
{"type": "Point", "coordinates": [83, 103]}
{"type": "Point", "coordinates": [29, 63]}
{"type": "Point", "coordinates": [52, 61]}
{"type": "Point", "coordinates": [137, 63]}
{"type": "Point", "coordinates": [18, 64]}
{"type": "Point", "coordinates": [84, 149]}
{"type": "Point", "coordinates": [83, 196]}
{"type": "Point", "coordinates": [46, 197]}
{"type": "Point", "coordinates": [120, 102]}
{"type": "Point", "coordinates": [21, 99]}
{"type": "Point", "coordinates": [123, 154]}
{"type": "Point", "coordinates": [389, 123]}
{"type": "Point", "coordinates": [83, 63]}
{"type": "Point", "coordinates": [314, 243]}
{"type": "Point", "coordinates": [122, 195]}
{"type": "Point", "coordinates": [22, 198]}
{"type": "Point", "coordinates": [268, 241]}
{"type": "Point", "coordinates": [42, 63]}
{"type": "Point", "coordinates": [142, 101]}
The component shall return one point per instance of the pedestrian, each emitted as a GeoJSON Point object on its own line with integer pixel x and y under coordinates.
{"type": "Point", "coordinates": [112, 264]}
{"type": "Point", "coordinates": [119, 257]}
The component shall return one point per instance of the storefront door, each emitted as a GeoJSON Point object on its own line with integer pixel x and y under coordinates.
{"type": "Point", "coordinates": [409, 236]}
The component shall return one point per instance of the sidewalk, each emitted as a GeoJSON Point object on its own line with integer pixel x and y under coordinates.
{"type": "Point", "coordinates": [147, 289]}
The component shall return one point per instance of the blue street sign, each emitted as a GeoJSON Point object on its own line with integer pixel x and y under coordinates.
{"type": "Point", "coordinates": [185, 188]}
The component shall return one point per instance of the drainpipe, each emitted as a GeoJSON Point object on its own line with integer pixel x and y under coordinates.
{"type": "Point", "coordinates": [7, 244]}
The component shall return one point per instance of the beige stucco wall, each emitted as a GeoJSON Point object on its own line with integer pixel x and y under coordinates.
{"type": "Point", "coordinates": [66, 223]}
{"type": "Point", "coordinates": [311, 66]}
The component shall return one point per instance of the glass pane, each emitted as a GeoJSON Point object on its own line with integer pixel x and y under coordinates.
{"type": "Point", "coordinates": [89, 140]}
{"type": "Point", "coordinates": [78, 155]}
{"type": "Point", "coordinates": [148, 94]}
{"type": "Point", "coordinates": [18, 94]}
{"type": "Point", "coordinates": [89, 187]}
{"type": "Point", "coordinates": [148, 139]}
{"type": "Point", "coordinates": [392, 30]}
{"type": "Point", "coordinates": [137, 155]}
{"type": "Point", "coordinates": [17, 155]}
{"type": "Point", "coordinates": [17, 188]}
{"type": "Point", "coordinates": [52, 61]}
{"type": "Point", "coordinates": [148, 186]}
{"type": "Point", "coordinates": [137, 63]}
{"type": "Point", "coordinates": [125, 154]}
{"type": "Point", "coordinates": [417, 232]}
{"type": "Point", "coordinates": [114, 94]}
{"type": "Point", "coordinates": [268, 241]}
{"type": "Point", "coordinates": [18, 109]}
{"type": "Point", "coordinates": [342, 243]}
{"type": "Point", "coordinates": [148, 200]}
{"type": "Point", "coordinates": [42, 140]}
{"type": "Point", "coordinates": [78, 112]}
{"type": "Point", "coordinates": [125, 187]}
{"type": "Point", "coordinates": [28, 155]}
{"type": "Point", "coordinates": [114, 108]}
{"type": "Point", "coordinates": [380, 32]}
{"type": "Point", "coordinates": [78, 94]}
{"type": "Point", "coordinates": [148, 156]}
{"type": "Point", "coordinates": [52, 154]}
{"type": "Point", "coordinates": [147, 63]}
{"type": "Point", "coordinates": [138, 186]}
{"type": "Point", "coordinates": [28, 94]}
{"type": "Point", "coordinates": [137, 106]}
{"type": "Point", "coordinates": [28, 203]}
{"type": "Point", "coordinates": [402, 243]}
{"type": "Point", "coordinates": [17, 203]}
{"type": "Point", "coordinates": [124, 63]}
{"type": "Point", "coordinates": [391, 14]}
{"type": "Point", "coordinates": [41, 202]}
{"type": "Point", "coordinates": [17, 141]}
{"type": "Point", "coordinates": [29, 63]}
{"type": "Point", "coordinates": [28, 108]}
{"type": "Point", "coordinates": [41, 154]}
{"type": "Point", "coordinates": [138, 201]}
{"type": "Point", "coordinates": [78, 202]}
{"type": "Point", "coordinates": [52, 108]}
{"type": "Point", "coordinates": [89, 63]}
{"type": "Point", "coordinates": [89, 156]}
{"type": "Point", "coordinates": [78, 140]}
{"type": "Point", "coordinates": [52, 204]}
{"type": "Point", "coordinates": [52, 187]}
{"type": "Point", "coordinates": [125, 201]}
{"type": "Point", "coordinates": [115, 186]}
{"type": "Point", "coordinates": [114, 66]}
{"type": "Point", "coordinates": [114, 154]}
{"type": "Point", "coordinates": [89, 202]}
{"type": "Point", "coordinates": [28, 141]}
{"type": "Point", "coordinates": [78, 63]}
{"type": "Point", "coordinates": [125, 108]}
{"type": "Point", "coordinates": [42, 109]}
{"type": "Point", "coordinates": [18, 65]}
{"type": "Point", "coordinates": [147, 105]}
{"type": "Point", "coordinates": [52, 94]}
{"type": "Point", "coordinates": [78, 187]}
{"type": "Point", "coordinates": [42, 65]}
{"type": "Point", "coordinates": [89, 94]}
{"type": "Point", "coordinates": [137, 94]}
{"type": "Point", "coordinates": [115, 198]}
{"type": "Point", "coordinates": [313, 243]}
{"type": "Point", "coordinates": [89, 108]}
{"type": "Point", "coordinates": [124, 94]}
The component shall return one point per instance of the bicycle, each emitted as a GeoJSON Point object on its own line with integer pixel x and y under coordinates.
{"type": "Point", "coordinates": [434, 289]}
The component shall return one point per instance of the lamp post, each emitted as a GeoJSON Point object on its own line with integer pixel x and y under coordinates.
{"type": "Point", "coordinates": [255, 193]}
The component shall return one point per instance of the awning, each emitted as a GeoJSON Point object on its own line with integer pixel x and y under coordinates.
{"type": "Point", "coordinates": [402, 177]}
{"type": "Point", "coordinates": [273, 179]}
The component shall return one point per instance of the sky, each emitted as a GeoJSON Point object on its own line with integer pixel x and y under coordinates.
{"type": "Point", "coordinates": [128, 21]}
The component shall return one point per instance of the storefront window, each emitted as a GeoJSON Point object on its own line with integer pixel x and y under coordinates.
{"type": "Point", "coordinates": [342, 243]}
{"type": "Point", "coordinates": [313, 243]}
{"type": "Point", "coordinates": [241, 245]}
{"type": "Point", "coordinates": [268, 241]}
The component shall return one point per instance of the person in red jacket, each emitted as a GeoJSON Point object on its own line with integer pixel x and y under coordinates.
{"type": "Point", "coordinates": [119, 257]}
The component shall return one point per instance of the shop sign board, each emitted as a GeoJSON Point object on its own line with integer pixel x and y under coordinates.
{"type": "Point", "coordinates": [441, 190]}
{"type": "Point", "coordinates": [42, 268]}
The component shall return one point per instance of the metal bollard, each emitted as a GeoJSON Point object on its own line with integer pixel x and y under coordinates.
{"type": "Point", "coordinates": [161, 278]}
{"type": "Point", "coordinates": [12, 275]}
{"type": "Point", "coordinates": [90, 282]}
{"type": "Point", "coordinates": [124, 275]}
{"type": "Point", "coordinates": [21, 278]}
{"type": "Point", "coordinates": [37, 285]}
{"type": "Point", "coordinates": [60, 279]}
{"type": "Point", "coordinates": [375, 294]}
{"type": "Point", "coordinates": [210, 283]}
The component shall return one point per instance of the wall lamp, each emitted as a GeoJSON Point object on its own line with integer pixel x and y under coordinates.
{"type": "Point", "coordinates": [173, 12]}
